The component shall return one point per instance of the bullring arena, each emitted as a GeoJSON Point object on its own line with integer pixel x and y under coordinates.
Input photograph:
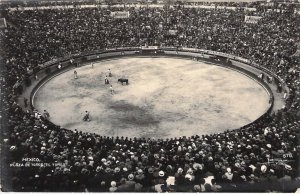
{"type": "Point", "coordinates": [149, 96]}
{"type": "Point", "coordinates": [166, 97]}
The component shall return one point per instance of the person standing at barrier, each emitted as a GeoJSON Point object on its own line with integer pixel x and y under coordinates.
{"type": "Point", "coordinates": [261, 76]}
{"type": "Point", "coordinates": [269, 79]}
{"type": "Point", "coordinates": [59, 66]}
{"type": "Point", "coordinates": [285, 95]}
{"type": "Point", "coordinates": [279, 88]}
{"type": "Point", "coordinates": [72, 62]}
{"type": "Point", "coordinates": [25, 102]}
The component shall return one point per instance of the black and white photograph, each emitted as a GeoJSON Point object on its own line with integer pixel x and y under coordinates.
{"type": "Point", "coordinates": [151, 96]}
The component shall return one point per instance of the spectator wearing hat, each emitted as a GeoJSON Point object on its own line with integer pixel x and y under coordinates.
{"type": "Point", "coordinates": [188, 183]}
{"type": "Point", "coordinates": [138, 187]}
{"type": "Point", "coordinates": [199, 172]}
{"type": "Point", "coordinates": [202, 185]}
{"type": "Point", "coordinates": [159, 181]}
{"type": "Point", "coordinates": [103, 187]}
{"type": "Point", "coordinates": [228, 175]}
{"type": "Point", "coordinates": [140, 177]}
{"type": "Point", "coordinates": [116, 174]}
{"type": "Point", "coordinates": [214, 186]}
{"type": "Point", "coordinates": [179, 177]}
{"type": "Point", "coordinates": [208, 187]}
{"type": "Point", "coordinates": [123, 187]}
{"type": "Point", "coordinates": [149, 178]}
{"type": "Point", "coordinates": [130, 182]}
{"type": "Point", "coordinates": [197, 189]}
{"type": "Point", "coordinates": [113, 187]}
{"type": "Point", "coordinates": [190, 174]}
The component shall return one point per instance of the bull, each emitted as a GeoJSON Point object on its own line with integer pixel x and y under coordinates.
{"type": "Point", "coordinates": [123, 80]}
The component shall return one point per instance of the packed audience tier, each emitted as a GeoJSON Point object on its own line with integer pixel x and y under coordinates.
{"type": "Point", "coordinates": [240, 160]}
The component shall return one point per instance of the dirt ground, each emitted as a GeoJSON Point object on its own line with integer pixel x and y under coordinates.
{"type": "Point", "coordinates": [166, 97]}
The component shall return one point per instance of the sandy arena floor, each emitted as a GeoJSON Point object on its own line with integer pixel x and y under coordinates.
{"type": "Point", "coordinates": [166, 97]}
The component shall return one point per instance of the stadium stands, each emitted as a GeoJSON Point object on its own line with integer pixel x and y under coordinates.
{"type": "Point", "coordinates": [261, 157]}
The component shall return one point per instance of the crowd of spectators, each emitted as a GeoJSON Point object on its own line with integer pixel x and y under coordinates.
{"type": "Point", "coordinates": [260, 157]}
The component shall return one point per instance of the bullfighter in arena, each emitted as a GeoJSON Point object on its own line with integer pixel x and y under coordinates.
{"type": "Point", "coordinates": [75, 74]}
{"type": "Point", "coordinates": [111, 89]}
{"type": "Point", "coordinates": [86, 116]}
{"type": "Point", "coordinates": [106, 81]}
{"type": "Point", "coordinates": [109, 73]}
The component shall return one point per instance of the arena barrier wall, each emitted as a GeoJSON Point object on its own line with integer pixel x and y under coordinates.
{"type": "Point", "coordinates": [98, 54]}
{"type": "Point", "coordinates": [50, 69]}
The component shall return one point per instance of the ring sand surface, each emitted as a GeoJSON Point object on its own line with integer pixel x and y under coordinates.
{"type": "Point", "coordinates": [166, 97]}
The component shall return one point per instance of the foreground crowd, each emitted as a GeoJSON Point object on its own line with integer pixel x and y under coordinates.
{"type": "Point", "coordinates": [260, 157]}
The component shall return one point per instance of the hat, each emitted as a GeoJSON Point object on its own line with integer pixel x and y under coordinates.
{"type": "Point", "coordinates": [12, 147]}
{"type": "Point", "coordinates": [107, 170]}
{"type": "Point", "coordinates": [180, 170]}
{"type": "Point", "coordinates": [117, 169]}
{"type": "Point", "coordinates": [243, 177]}
{"type": "Point", "coordinates": [161, 173]}
{"type": "Point", "coordinates": [140, 171]}
{"type": "Point", "coordinates": [190, 171]}
{"type": "Point", "coordinates": [169, 167]}
{"type": "Point", "coordinates": [77, 164]}
{"type": "Point", "coordinates": [113, 183]}
{"type": "Point", "coordinates": [288, 167]}
{"type": "Point", "coordinates": [84, 171]}
{"type": "Point", "coordinates": [125, 169]}
{"type": "Point", "coordinates": [188, 176]}
{"type": "Point", "coordinates": [150, 170]}
{"type": "Point", "coordinates": [228, 170]}
{"type": "Point", "coordinates": [237, 165]}
{"type": "Point", "coordinates": [130, 177]}
{"type": "Point", "coordinates": [197, 188]}
{"type": "Point", "coordinates": [263, 168]}
{"type": "Point", "coordinates": [252, 176]}
{"type": "Point", "coordinates": [98, 169]}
